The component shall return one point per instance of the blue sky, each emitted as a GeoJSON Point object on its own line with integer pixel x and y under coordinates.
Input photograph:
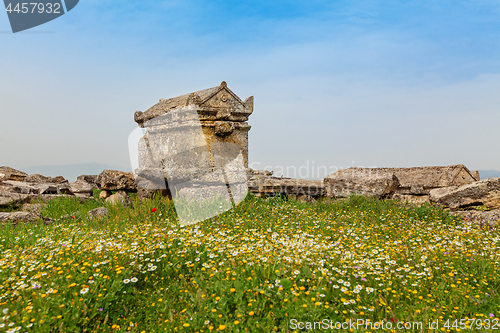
{"type": "Point", "coordinates": [336, 83]}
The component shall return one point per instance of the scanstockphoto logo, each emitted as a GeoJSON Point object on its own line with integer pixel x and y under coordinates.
{"type": "Point", "coordinates": [171, 153]}
{"type": "Point", "coordinates": [26, 15]}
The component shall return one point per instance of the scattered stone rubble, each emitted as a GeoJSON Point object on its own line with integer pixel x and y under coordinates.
{"type": "Point", "coordinates": [7, 173]}
{"type": "Point", "coordinates": [217, 128]}
{"type": "Point", "coordinates": [90, 179]}
{"type": "Point", "coordinates": [452, 187]}
{"type": "Point", "coordinates": [113, 180]}
{"type": "Point", "coordinates": [481, 193]}
{"type": "Point", "coordinates": [18, 189]}
{"type": "Point", "coordinates": [345, 182]}
{"type": "Point", "coordinates": [405, 184]}
{"type": "Point", "coordinates": [119, 181]}
{"type": "Point", "coordinates": [15, 217]}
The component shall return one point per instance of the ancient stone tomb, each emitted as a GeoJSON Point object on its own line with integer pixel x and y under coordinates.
{"type": "Point", "coordinates": [195, 145]}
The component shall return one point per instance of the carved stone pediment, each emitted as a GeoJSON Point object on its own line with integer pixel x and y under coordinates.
{"type": "Point", "coordinates": [216, 103]}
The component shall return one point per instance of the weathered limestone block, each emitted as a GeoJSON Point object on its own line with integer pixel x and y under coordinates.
{"type": "Point", "coordinates": [362, 181]}
{"type": "Point", "coordinates": [18, 216]}
{"type": "Point", "coordinates": [8, 173]}
{"type": "Point", "coordinates": [258, 174]}
{"type": "Point", "coordinates": [105, 194]}
{"type": "Point", "coordinates": [91, 179]}
{"type": "Point", "coordinates": [420, 180]}
{"type": "Point", "coordinates": [415, 181]}
{"type": "Point", "coordinates": [8, 198]}
{"type": "Point", "coordinates": [18, 199]}
{"type": "Point", "coordinates": [268, 186]}
{"type": "Point", "coordinates": [37, 178]}
{"type": "Point", "coordinates": [36, 188]}
{"type": "Point", "coordinates": [59, 180]}
{"type": "Point", "coordinates": [15, 193]}
{"type": "Point", "coordinates": [113, 180]}
{"type": "Point", "coordinates": [120, 197]}
{"type": "Point", "coordinates": [99, 213]}
{"type": "Point", "coordinates": [81, 189]}
{"type": "Point", "coordinates": [28, 188]}
{"type": "Point", "coordinates": [484, 192]}
{"type": "Point", "coordinates": [438, 193]}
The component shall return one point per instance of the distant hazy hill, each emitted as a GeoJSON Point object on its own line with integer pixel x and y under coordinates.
{"type": "Point", "coordinates": [483, 174]}
{"type": "Point", "coordinates": [71, 171]}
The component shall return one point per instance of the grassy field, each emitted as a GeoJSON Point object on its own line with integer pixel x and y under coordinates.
{"type": "Point", "coordinates": [264, 266]}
